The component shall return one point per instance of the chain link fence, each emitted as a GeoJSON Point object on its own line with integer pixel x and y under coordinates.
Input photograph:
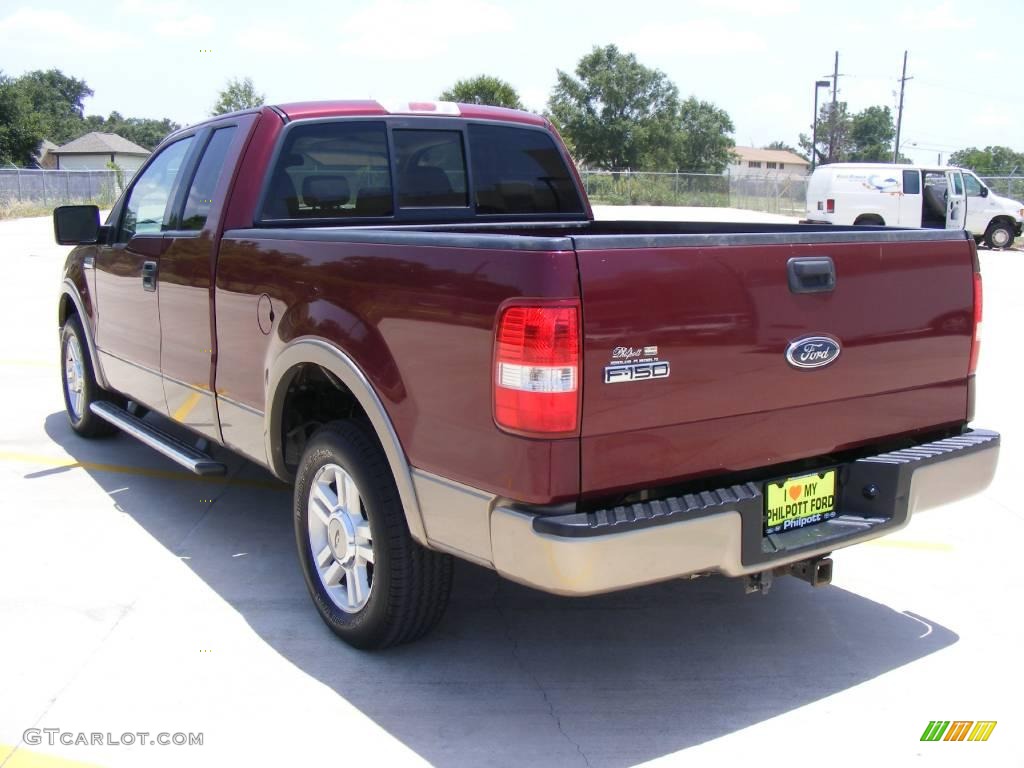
{"type": "Point", "coordinates": [50, 188]}
{"type": "Point", "coordinates": [1007, 186]}
{"type": "Point", "coordinates": [771, 193]}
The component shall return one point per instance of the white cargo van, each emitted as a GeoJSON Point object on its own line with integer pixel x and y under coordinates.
{"type": "Point", "coordinates": [930, 197]}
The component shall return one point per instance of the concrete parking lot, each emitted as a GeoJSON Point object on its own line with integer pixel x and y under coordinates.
{"type": "Point", "coordinates": [135, 597]}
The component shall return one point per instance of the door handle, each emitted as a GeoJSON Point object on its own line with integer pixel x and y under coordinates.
{"type": "Point", "coordinates": [811, 274]}
{"type": "Point", "coordinates": [149, 275]}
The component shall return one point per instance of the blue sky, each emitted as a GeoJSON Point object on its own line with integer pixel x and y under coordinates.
{"type": "Point", "coordinates": [756, 58]}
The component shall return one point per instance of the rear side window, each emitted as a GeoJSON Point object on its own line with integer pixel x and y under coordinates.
{"type": "Point", "coordinates": [200, 194]}
{"type": "Point", "coordinates": [331, 170]}
{"type": "Point", "coordinates": [911, 183]}
{"type": "Point", "coordinates": [516, 170]}
{"type": "Point", "coordinates": [431, 169]}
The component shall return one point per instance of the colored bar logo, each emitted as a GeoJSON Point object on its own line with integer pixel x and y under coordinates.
{"type": "Point", "coordinates": [958, 730]}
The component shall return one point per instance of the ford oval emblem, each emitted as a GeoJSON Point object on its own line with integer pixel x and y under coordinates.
{"type": "Point", "coordinates": [812, 352]}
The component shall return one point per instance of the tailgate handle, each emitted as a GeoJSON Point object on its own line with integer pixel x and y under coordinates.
{"type": "Point", "coordinates": [811, 274]}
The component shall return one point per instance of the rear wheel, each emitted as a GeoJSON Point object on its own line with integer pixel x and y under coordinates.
{"type": "Point", "coordinates": [372, 584]}
{"type": "Point", "coordinates": [999, 234]}
{"type": "Point", "coordinates": [870, 219]}
{"type": "Point", "coordinates": [80, 386]}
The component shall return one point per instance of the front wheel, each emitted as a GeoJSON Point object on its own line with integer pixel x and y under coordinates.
{"type": "Point", "coordinates": [80, 386]}
{"type": "Point", "coordinates": [999, 235]}
{"type": "Point", "coordinates": [372, 584]}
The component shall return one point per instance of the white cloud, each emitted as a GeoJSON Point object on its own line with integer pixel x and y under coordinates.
{"type": "Point", "coordinates": [944, 18]}
{"type": "Point", "coordinates": [403, 29]}
{"type": "Point", "coordinates": [173, 20]}
{"type": "Point", "coordinates": [58, 29]}
{"type": "Point", "coordinates": [753, 8]}
{"type": "Point", "coordinates": [698, 38]}
{"type": "Point", "coordinates": [268, 36]}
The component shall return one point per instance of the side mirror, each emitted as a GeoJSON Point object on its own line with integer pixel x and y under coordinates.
{"type": "Point", "coordinates": [76, 224]}
{"type": "Point", "coordinates": [984, 191]}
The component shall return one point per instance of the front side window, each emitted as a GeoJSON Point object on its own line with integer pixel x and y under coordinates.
{"type": "Point", "coordinates": [331, 170]}
{"type": "Point", "coordinates": [204, 183]}
{"type": "Point", "coordinates": [518, 170]}
{"type": "Point", "coordinates": [146, 207]}
{"type": "Point", "coordinates": [958, 183]}
{"type": "Point", "coordinates": [973, 185]}
{"type": "Point", "coordinates": [431, 169]}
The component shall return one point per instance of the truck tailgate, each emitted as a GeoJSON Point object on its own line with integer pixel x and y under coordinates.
{"type": "Point", "coordinates": [722, 316]}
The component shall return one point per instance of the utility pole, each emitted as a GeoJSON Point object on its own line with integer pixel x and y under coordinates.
{"type": "Point", "coordinates": [899, 113]}
{"type": "Point", "coordinates": [832, 138]}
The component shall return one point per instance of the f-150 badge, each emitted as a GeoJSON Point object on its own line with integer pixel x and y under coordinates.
{"type": "Point", "coordinates": [812, 352]}
{"type": "Point", "coordinates": [635, 364]}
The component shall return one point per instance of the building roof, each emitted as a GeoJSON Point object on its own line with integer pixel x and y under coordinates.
{"type": "Point", "coordinates": [97, 143]}
{"type": "Point", "coordinates": [769, 155]}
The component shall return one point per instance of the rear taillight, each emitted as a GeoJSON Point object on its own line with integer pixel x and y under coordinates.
{"type": "Point", "coordinates": [830, 206]}
{"type": "Point", "coordinates": [537, 368]}
{"type": "Point", "coordinates": [972, 366]}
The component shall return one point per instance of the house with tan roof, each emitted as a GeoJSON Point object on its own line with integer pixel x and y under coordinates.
{"type": "Point", "coordinates": [93, 151]}
{"type": "Point", "coordinates": [767, 162]}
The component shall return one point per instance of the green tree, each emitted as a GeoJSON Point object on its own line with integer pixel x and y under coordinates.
{"type": "Point", "coordinates": [871, 136]}
{"type": "Point", "coordinates": [235, 95]}
{"type": "Point", "coordinates": [704, 145]}
{"type": "Point", "coordinates": [781, 145]}
{"type": "Point", "coordinates": [484, 89]}
{"type": "Point", "coordinates": [145, 132]}
{"type": "Point", "coordinates": [616, 113]}
{"type": "Point", "coordinates": [57, 100]}
{"type": "Point", "coordinates": [992, 161]}
{"type": "Point", "coordinates": [21, 129]}
{"type": "Point", "coordinates": [833, 135]}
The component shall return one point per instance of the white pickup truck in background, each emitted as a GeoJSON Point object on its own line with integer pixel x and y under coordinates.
{"type": "Point", "coordinates": [929, 197]}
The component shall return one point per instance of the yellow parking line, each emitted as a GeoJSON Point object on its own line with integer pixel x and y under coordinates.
{"type": "Point", "coordinates": [186, 408]}
{"type": "Point", "coordinates": [55, 462]}
{"type": "Point", "coordinates": [930, 546]}
{"type": "Point", "coordinates": [24, 758]}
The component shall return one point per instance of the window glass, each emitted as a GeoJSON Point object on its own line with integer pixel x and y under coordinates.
{"type": "Point", "coordinates": [973, 185]}
{"type": "Point", "coordinates": [204, 183]}
{"type": "Point", "coordinates": [517, 170]}
{"type": "Point", "coordinates": [911, 183]}
{"type": "Point", "coordinates": [431, 169]}
{"type": "Point", "coordinates": [753, 163]}
{"type": "Point", "coordinates": [958, 183]}
{"type": "Point", "coordinates": [331, 170]}
{"type": "Point", "coordinates": [147, 203]}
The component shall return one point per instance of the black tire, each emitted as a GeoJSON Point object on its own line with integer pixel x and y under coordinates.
{"type": "Point", "coordinates": [84, 422]}
{"type": "Point", "coordinates": [870, 219]}
{"type": "Point", "coordinates": [410, 584]}
{"type": "Point", "coordinates": [999, 234]}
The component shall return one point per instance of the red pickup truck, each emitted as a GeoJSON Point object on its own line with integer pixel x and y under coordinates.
{"type": "Point", "coordinates": [411, 315]}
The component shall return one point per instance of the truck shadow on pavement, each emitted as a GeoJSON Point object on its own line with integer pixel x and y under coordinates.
{"type": "Point", "coordinates": [517, 677]}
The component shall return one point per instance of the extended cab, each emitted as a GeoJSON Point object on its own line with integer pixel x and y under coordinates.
{"type": "Point", "coordinates": [410, 314]}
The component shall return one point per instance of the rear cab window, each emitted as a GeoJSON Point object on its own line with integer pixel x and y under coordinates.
{"type": "Point", "coordinates": [417, 170]}
{"type": "Point", "coordinates": [519, 171]}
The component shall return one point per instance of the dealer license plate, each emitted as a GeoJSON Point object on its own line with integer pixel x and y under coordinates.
{"type": "Point", "coordinates": [799, 501]}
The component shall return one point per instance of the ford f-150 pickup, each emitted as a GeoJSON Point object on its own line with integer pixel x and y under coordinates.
{"type": "Point", "coordinates": [410, 313]}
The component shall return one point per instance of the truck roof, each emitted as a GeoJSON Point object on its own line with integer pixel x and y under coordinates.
{"type": "Point", "coordinates": [311, 109]}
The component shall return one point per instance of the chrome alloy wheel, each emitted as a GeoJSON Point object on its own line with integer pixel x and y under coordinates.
{"type": "Point", "coordinates": [74, 377]}
{"type": "Point", "coordinates": [339, 538]}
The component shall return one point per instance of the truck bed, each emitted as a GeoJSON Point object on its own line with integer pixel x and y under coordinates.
{"type": "Point", "coordinates": [711, 297]}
